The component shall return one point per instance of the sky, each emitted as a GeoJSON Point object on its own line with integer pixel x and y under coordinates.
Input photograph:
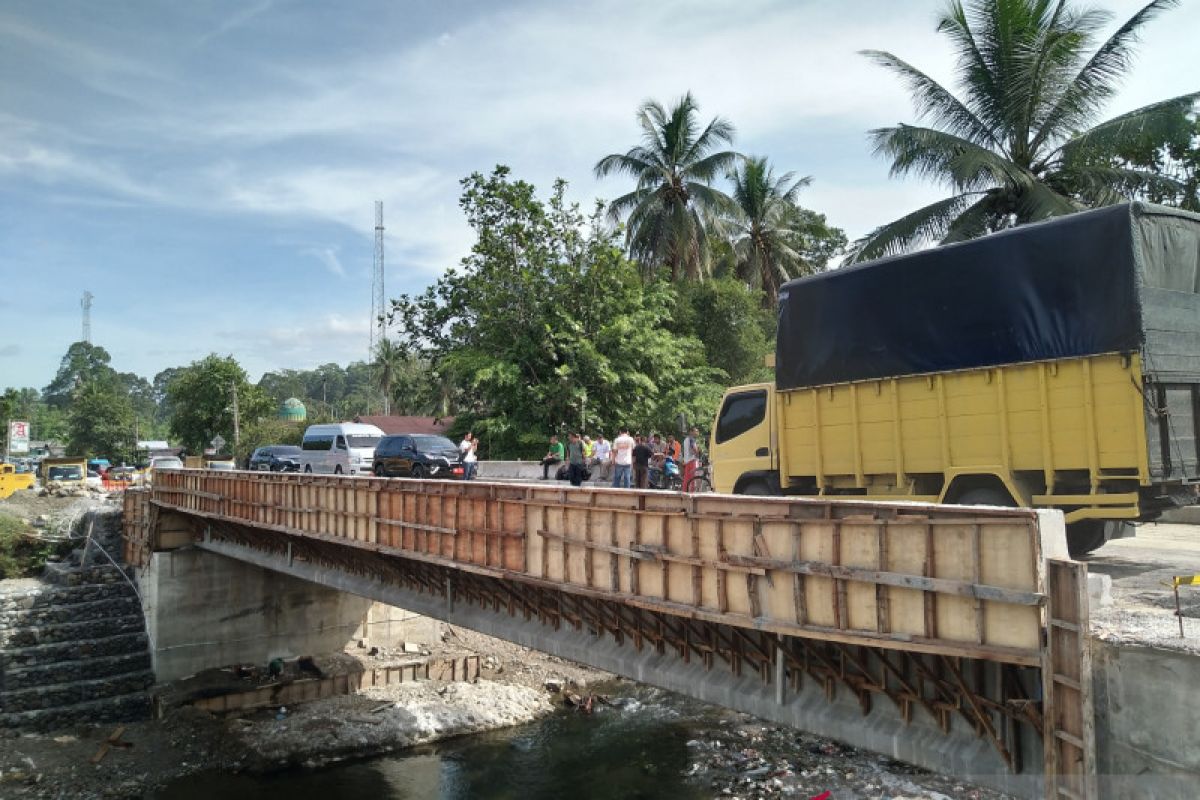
{"type": "Point", "coordinates": [208, 170]}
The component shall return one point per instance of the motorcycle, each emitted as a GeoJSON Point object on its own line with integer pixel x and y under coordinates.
{"type": "Point", "coordinates": [668, 477]}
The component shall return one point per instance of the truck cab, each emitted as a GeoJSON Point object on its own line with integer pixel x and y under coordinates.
{"type": "Point", "coordinates": [742, 446]}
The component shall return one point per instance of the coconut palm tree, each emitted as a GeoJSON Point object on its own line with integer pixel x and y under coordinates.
{"type": "Point", "coordinates": [767, 242]}
{"type": "Point", "coordinates": [1020, 143]}
{"type": "Point", "coordinates": [386, 370]}
{"type": "Point", "coordinates": [673, 203]}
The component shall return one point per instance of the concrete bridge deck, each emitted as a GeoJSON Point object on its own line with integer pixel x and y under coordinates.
{"type": "Point", "coordinates": [943, 636]}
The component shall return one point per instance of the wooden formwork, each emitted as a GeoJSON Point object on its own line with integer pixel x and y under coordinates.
{"type": "Point", "coordinates": [458, 668]}
{"type": "Point", "coordinates": [900, 599]}
{"type": "Point", "coordinates": [137, 528]}
{"type": "Point", "coordinates": [915, 577]}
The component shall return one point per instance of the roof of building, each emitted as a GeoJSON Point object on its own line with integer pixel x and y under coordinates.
{"type": "Point", "coordinates": [393, 424]}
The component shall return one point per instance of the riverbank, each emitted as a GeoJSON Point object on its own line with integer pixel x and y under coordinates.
{"type": "Point", "coordinates": [637, 738]}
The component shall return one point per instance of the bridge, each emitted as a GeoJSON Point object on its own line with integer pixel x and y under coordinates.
{"type": "Point", "coordinates": [950, 637]}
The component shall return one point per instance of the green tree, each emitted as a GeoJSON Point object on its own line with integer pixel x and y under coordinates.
{"type": "Point", "coordinates": [674, 201]}
{"type": "Point", "coordinates": [736, 332]}
{"type": "Point", "coordinates": [388, 363]}
{"type": "Point", "coordinates": [546, 326]}
{"type": "Point", "coordinates": [201, 398]}
{"type": "Point", "coordinates": [83, 363]}
{"type": "Point", "coordinates": [767, 244]}
{"type": "Point", "coordinates": [100, 422]}
{"type": "Point", "coordinates": [1022, 142]}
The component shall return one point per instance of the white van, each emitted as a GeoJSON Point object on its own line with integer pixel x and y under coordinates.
{"type": "Point", "coordinates": [341, 448]}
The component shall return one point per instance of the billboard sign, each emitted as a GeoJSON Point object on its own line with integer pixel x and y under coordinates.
{"type": "Point", "coordinates": [18, 437]}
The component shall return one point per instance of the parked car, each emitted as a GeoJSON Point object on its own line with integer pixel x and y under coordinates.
{"type": "Point", "coordinates": [275, 458]}
{"type": "Point", "coordinates": [417, 456]}
{"type": "Point", "coordinates": [94, 479]}
{"type": "Point", "coordinates": [343, 448]}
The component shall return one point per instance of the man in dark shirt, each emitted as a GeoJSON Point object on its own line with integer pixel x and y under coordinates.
{"type": "Point", "coordinates": [642, 453]}
{"type": "Point", "coordinates": [575, 459]}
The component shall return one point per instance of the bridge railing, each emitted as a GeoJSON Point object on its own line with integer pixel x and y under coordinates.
{"type": "Point", "coordinates": [922, 578]}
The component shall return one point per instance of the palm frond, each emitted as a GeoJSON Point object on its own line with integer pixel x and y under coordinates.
{"type": "Point", "coordinates": [1096, 81]}
{"type": "Point", "coordinates": [934, 102]}
{"type": "Point", "coordinates": [1108, 137]}
{"type": "Point", "coordinates": [923, 226]}
{"type": "Point", "coordinates": [944, 157]}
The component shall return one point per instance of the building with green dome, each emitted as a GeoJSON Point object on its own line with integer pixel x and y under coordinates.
{"type": "Point", "coordinates": [293, 410]}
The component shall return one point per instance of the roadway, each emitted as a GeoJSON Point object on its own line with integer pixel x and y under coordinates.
{"type": "Point", "coordinates": [1142, 607]}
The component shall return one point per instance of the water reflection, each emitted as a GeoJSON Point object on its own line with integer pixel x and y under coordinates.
{"type": "Point", "coordinates": [638, 751]}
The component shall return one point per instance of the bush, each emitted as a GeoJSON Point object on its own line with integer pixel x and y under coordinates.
{"type": "Point", "coordinates": [22, 553]}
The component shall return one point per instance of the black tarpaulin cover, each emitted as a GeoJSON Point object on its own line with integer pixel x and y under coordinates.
{"type": "Point", "coordinates": [1064, 288]}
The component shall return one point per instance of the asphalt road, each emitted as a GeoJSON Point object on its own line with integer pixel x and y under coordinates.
{"type": "Point", "coordinates": [1143, 605]}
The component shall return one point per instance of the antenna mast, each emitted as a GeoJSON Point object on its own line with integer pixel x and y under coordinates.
{"type": "Point", "coordinates": [377, 297]}
{"type": "Point", "coordinates": [86, 305]}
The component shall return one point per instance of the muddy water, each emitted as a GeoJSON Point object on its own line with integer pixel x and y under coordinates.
{"type": "Point", "coordinates": [636, 750]}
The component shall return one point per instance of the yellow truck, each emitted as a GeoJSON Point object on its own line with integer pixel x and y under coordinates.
{"type": "Point", "coordinates": [1052, 365]}
{"type": "Point", "coordinates": [11, 480]}
{"type": "Point", "coordinates": [67, 469]}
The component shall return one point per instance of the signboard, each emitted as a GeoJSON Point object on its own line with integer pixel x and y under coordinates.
{"type": "Point", "coordinates": [18, 437]}
{"type": "Point", "coordinates": [218, 441]}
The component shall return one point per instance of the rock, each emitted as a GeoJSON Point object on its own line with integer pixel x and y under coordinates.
{"type": "Point", "coordinates": [412, 648]}
{"type": "Point", "coordinates": [554, 685]}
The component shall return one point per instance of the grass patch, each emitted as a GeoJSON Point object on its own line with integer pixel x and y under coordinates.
{"type": "Point", "coordinates": [22, 554]}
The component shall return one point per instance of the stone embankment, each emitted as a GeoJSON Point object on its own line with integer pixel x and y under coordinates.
{"type": "Point", "coordinates": [73, 645]}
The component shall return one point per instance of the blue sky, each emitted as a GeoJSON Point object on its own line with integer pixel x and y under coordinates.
{"type": "Point", "coordinates": [208, 170]}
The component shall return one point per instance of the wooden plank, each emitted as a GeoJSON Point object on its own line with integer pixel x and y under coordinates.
{"type": "Point", "coordinates": [1069, 738]}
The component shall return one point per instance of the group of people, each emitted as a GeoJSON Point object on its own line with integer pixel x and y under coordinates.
{"type": "Point", "coordinates": [626, 460]}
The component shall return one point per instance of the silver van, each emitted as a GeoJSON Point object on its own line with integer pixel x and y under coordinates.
{"type": "Point", "coordinates": [340, 448]}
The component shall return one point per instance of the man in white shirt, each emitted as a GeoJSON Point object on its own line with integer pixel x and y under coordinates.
{"type": "Point", "coordinates": [466, 454]}
{"type": "Point", "coordinates": [622, 459]}
{"type": "Point", "coordinates": [691, 456]}
{"type": "Point", "coordinates": [601, 457]}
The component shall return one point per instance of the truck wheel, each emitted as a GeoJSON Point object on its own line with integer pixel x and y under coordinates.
{"type": "Point", "coordinates": [758, 488]}
{"type": "Point", "coordinates": [337, 470]}
{"type": "Point", "coordinates": [308, 469]}
{"type": "Point", "coordinates": [986, 497]}
{"type": "Point", "coordinates": [1085, 536]}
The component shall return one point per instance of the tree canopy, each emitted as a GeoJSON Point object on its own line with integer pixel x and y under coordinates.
{"type": "Point", "coordinates": [201, 397]}
{"type": "Point", "coordinates": [674, 201]}
{"type": "Point", "coordinates": [546, 326]}
{"type": "Point", "coordinates": [1021, 141]}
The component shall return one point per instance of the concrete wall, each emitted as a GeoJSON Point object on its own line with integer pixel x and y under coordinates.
{"type": "Point", "coordinates": [1147, 722]}
{"type": "Point", "coordinates": [204, 610]}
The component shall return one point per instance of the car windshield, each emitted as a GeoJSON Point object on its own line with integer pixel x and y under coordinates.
{"type": "Point", "coordinates": [431, 443]}
{"type": "Point", "coordinates": [366, 442]}
{"type": "Point", "coordinates": [167, 463]}
{"type": "Point", "coordinates": [72, 473]}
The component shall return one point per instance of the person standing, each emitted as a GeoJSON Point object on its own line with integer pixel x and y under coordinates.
{"type": "Point", "coordinates": [622, 459]}
{"type": "Point", "coordinates": [601, 455]}
{"type": "Point", "coordinates": [575, 460]}
{"type": "Point", "coordinates": [691, 456]}
{"type": "Point", "coordinates": [466, 454]}
{"type": "Point", "coordinates": [553, 456]}
{"type": "Point", "coordinates": [642, 453]}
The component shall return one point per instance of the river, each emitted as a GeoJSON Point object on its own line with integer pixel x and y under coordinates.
{"type": "Point", "coordinates": [637, 749]}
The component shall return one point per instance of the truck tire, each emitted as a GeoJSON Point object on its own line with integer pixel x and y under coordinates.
{"type": "Point", "coordinates": [337, 470]}
{"type": "Point", "coordinates": [758, 488]}
{"type": "Point", "coordinates": [1085, 536]}
{"type": "Point", "coordinates": [308, 469]}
